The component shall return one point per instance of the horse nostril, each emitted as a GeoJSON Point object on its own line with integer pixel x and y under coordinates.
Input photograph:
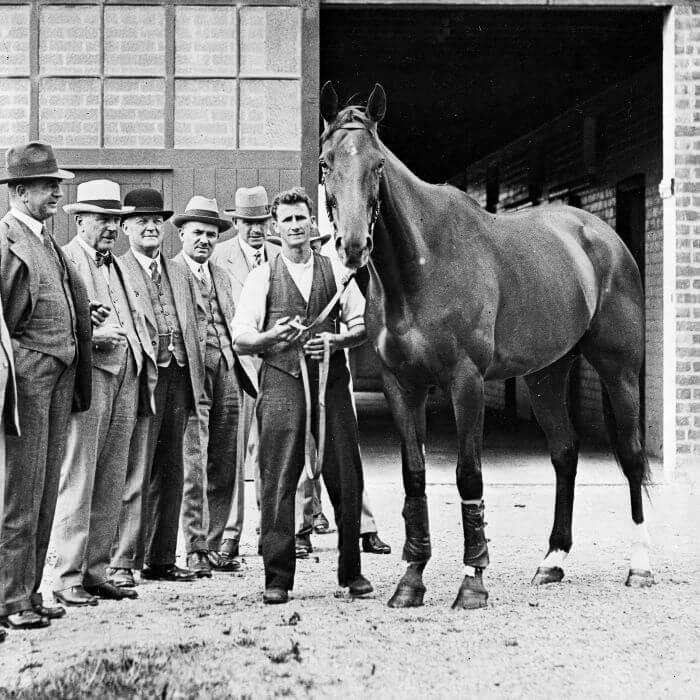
{"type": "Point", "coordinates": [338, 243]}
{"type": "Point", "coordinates": [369, 244]}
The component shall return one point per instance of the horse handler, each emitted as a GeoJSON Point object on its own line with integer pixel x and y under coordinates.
{"type": "Point", "coordinates": [281, 299]}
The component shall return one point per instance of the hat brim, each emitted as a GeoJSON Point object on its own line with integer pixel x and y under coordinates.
{"type": "Point", "coordinates": [223, 224]}
{"type": "Point", "coordinates": [54, 175]}
{"type": "Point", "coordinates": [139, 210]}
{"type": "Point", "coordinates": [79, 208]}
{"type": "Point", "coordinates": [258, 217]}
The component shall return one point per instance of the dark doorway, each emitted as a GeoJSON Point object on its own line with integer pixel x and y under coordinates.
{"type": "Point", "coordinates": [631, 224]}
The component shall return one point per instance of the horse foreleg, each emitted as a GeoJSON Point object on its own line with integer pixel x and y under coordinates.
{"type": "Point", "coordinates": [408, 410]}
{"type": "Point", "coordinates": [468, 403]}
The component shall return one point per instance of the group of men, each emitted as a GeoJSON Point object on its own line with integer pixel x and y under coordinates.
{"type": "Point", "coordinates": [130, 387]}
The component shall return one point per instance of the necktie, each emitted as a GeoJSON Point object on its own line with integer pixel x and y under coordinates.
{"type": "Point", "coordinates": [155, 275]}
{"type": "Point", "coordinates": [103, 258]}
{"type": "Point", "coordinates": [204, 277]}
{"type": "Point", "coordinates": [257, 259]}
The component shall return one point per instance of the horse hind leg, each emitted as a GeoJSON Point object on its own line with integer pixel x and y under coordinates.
{"type": "Point", "coordinates": [408, 410]}
{"type": "Point", "coordinates": [620, 378]}
{"type": "Point", "coordinates": [548, 395]}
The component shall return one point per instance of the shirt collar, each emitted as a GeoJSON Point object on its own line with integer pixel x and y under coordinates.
{"type": "Point", "coordinates": [299, 266]}
{"type": "Point", "coordinates": [194, 265]}
{"type": "Point", "coordinates": [145, 261]}
{"type": "Point", "coordinates": [251, 252]}
{"type": "Point", "coordinates": [36, 227]}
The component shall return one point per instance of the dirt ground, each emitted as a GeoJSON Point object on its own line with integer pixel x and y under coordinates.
{"type": "Point", "coordinates": [586, 637]}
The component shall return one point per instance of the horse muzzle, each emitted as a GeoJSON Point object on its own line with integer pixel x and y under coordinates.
{"type": "Point", "coordinates": [354, 255]}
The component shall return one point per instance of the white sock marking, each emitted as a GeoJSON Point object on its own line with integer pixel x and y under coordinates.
{"type": "Point", "coordinates": [472, 502]}
{"type": "Point", "coordinates": [469, 571]}
{"type": "Point", "coordinates": [640, 548]}
{"type": "Point", "coordinates": [554, 559]}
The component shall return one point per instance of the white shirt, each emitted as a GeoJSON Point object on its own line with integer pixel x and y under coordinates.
{"type": "Point", "coordinates": [36, 227]}
{"type": "Point", "coordinates": [251, 252]}
{"type": "Point", "coordinates": [104, 269]}
{"type": "Point", "coordinates": [199, 270]}
{"type": "Point", "coordinates": [250, 312]}
{"type": "Point", "coordinates": [146, 262]}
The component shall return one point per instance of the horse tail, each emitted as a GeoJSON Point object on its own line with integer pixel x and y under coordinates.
{"type": "Point", "coordinates": [611, 426]}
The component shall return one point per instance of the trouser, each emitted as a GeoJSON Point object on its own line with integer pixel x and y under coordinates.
{"type": "Point", "coordinates": [151, 505]}
{"type": "Point", "coordinates": [93, 477]}
{"type": "Point", "coordinates": [210, 460]}
{"type": "Point", "coordinates": [247, 435]}
{"type": "Point", "coordinates": [281, 415]}
{"type": "Point", "coordinates": [308, 506]}
{"type": "Point", "coordinates": [33, 466]}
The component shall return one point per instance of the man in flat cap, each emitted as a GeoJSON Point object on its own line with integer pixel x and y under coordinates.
{"type": "Point", "coordinates": [238, 256]}
{"type": "Point", "coordinates": [48, 317]}
{"type": "Point", "coordinates": [123, 371]}
{"type": "Point", "coordinates": [210, 439]}
{"type": "Point", "coordinates": [148, 524]}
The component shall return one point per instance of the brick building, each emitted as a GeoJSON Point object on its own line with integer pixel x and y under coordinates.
{"type": "Point", "coordinates": [592, 102]}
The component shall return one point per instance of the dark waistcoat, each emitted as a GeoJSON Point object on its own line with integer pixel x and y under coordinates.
{"type": "Point", "coordinates": [285, 299]}
{"type": "Point", "coordinates": [218, 338]}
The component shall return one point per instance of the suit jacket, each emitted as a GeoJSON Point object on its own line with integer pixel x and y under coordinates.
{"type": "Point", "coordinates": [230, 256]}
{"type": "Point", "coordinates": [245, 370]}
{"type": "Point", "coordinates": [184, 308]}
{"type": "Point", "coordinates": [149, 371]}
{"type": "Point", "coordinates": [9, 414]}
{"type": "Point", "coordinates": [19, 287]}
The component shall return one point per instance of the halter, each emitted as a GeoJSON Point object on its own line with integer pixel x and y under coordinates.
{"type": "Point", "coordinates": [376, 205]}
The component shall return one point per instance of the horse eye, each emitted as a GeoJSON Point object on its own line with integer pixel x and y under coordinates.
{"type": "Point", "coordinates": [323, 164]}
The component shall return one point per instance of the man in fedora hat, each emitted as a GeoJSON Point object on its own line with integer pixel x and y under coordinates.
{"type": "Point", "coordinates": [210, 438]}
{"type": "Point", "coordinates": [48, 317]}
{"type": "Point", "coordinates": [238, 256]}
{"type": "Point", "coordinates": [148, 524]}
{"type": "Point", "coordinates": [94, 468]}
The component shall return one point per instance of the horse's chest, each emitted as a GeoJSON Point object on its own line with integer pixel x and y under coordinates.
{"type": "Point", "coordinates": [415, 351]}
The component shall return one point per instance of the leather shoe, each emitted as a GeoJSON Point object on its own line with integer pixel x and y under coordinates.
{"type": "Point", "coordinates": [360, 586]}
{"type": "Point", "coordinates": [109, 591]}
{"type": "Point", "coordinates": [223, 561]}
{"type": "Point", "coordinates": [275, 596]}
{"type": "Point", "coordinates": [75, 595]}
{"type": "Point", "coordinates": [198, 564]}
{"type": "Point", "coordinates": [303, 546]}
{"type": "Point", "coordinates": [24, 620]}
{"type": "Point", "coordinates": [53, 612]}
{"type": "Point", "coordinates": [230, 547]}
{"type": "Point", "coordinates": [168, 573]}
{"type": "Point", "coordinates": [321, 524]}
{"type": "Point", "coordinates": [373, 545]}
{"type": "Point", "coordinates": [122, 578]}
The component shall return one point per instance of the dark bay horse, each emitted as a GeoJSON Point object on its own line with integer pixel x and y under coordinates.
{"type": "Point", "coordinates": [458, 296]}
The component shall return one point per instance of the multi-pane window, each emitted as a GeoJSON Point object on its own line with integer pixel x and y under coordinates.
{"type": "Point", "coordinates": [153, 76]}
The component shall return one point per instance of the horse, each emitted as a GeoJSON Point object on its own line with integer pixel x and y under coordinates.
{"type": "Point", "coordinates": [458, 296]}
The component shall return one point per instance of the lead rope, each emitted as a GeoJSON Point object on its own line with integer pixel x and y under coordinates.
{"type": "Point", "coordinates": [313, 463]}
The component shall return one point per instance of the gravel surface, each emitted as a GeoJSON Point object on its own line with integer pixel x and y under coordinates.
{"type": "Point", "coordinates": [586, 637]}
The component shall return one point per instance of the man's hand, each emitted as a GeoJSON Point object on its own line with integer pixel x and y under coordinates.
{"type": "Point", "coordinates": [282, 331]}
{"type": "Point", "coordinates": [99, 312]}
{"type": "Point", "coordinates": [108, 336]}
{"type": "Point", "coordinates": [313, 347]}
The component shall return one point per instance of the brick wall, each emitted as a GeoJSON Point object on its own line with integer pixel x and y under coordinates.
{"type": "Point", "coordinates": [627, 122]}
{"type": "Point", "coordinates": [270, 40]}
{"type": "Point", "coordinates": [270, 115]}
{"type": "Point", "coordinates": [205, 40]}
{"type": "Point", "coordinates": [205, 113]}
{"type": "Point", "coordinates": [69, 40]}
{"type": "Point", "coordinates": [687, 180]}
{"type": "Point", "coordinates": [69, 111]}
{"type": "Point", "coordinates": [14, 41]}
{"type": "Point", "coordinates": [133, 113]}
{"type": "Point", "coordinates": [134, 40]}
{"type": "Point", "coordinates": [14, 111]}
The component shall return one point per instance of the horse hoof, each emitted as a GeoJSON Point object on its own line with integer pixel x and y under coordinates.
{"type": "Point", "coordinates": [640, 578]}
{"type": "Point", "coordinates": [406, 596]}
{"type": "Point", "coordinates": [471, 595]}
{"type": "Point", "coordinates": [547, 574]}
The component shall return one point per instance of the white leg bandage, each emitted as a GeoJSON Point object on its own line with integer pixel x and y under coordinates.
{"type": "Point", "coordinates": [640, 548]}
{"type": "Point", "coordinates": [554, 559]}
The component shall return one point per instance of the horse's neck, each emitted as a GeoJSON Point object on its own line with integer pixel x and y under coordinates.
{"type": "Point", "coordinates": [400, 247]}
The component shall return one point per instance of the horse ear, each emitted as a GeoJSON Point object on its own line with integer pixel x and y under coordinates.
{"type": "Point", "coordinates": [376, 105]}
{"type": "Point", "coordinates": [329, 103]}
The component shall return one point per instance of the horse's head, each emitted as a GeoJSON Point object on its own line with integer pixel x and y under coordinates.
{"type": "Point", "coordinates": [352, 163]}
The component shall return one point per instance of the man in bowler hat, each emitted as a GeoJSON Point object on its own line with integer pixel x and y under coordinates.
{"type": "Point", "coordinates": [123, 378]}
{"type": "Point", "coordinates": [210, 439]}
{"type": "Point", "coordinates": [48, 317]}
{"type": "Point", "coordinates": [147, 533]}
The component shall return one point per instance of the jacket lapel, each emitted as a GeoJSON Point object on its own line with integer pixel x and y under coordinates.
{"type": "Point", "coordinates": [179, 291]}
{"type": "Point", "coordinates": [134, 273]}
{"type": "Point", "coordinates": [86, 268]}
{"type": "Point", "coordinates": [20, 249]}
